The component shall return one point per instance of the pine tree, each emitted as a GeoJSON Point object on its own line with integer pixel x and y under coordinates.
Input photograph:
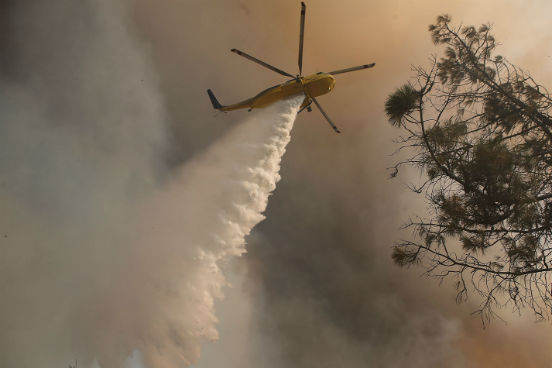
{"type": "Point", "coordinates": [481, 130]}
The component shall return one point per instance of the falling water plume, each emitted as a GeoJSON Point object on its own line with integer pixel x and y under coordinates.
{"type": "Point", "coordinates": [163, 300]}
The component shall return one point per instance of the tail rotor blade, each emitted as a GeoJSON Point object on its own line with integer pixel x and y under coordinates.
{"type": "Point", "coordinates": [301, 36]}
{"type": "Point", "coordinates": [325, 115]}
{"type": "Point", "coordinates": [354, 68]}
{"type": "Point", "coordinates": [255, 60]}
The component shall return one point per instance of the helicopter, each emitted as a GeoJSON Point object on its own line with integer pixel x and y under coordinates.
{"type": "Point", "coordinates": [311, 86]}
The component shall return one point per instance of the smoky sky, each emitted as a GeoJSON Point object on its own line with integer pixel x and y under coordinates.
{"type": "Point", "coordinates": [82, 139]}
{"type": "Point", "coordinates": [319, 285]}
{"type": "Point", "coordinates": [323, 289]}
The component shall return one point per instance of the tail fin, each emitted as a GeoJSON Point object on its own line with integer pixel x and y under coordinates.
{"type": "Point", "coordinates": [214, 101]}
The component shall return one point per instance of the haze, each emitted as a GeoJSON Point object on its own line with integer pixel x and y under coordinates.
{"type": "Point", "coordinates": [104, 104]}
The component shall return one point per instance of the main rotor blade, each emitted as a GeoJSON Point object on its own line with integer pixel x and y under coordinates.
{"type": "Point", "coordinates": [301, 36]}
{"type": "Point", "coordinates": [273, 68]}
{"type": "Point", "coordinates": [325, 115]}
{"type": "Point", "coordinates": [340, 71]}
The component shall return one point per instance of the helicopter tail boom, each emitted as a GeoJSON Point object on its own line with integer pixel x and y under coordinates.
{"type": "Point", "coordinates": [214, 101]}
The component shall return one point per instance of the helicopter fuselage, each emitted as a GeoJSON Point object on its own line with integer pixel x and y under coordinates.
{"type": "Point", "coordinates": [311, 86]}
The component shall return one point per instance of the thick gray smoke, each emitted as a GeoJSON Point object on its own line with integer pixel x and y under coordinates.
{"type": "Point", "coordinates": [102, 254]}
{"type": "Point", "coordinates": [82, 138]}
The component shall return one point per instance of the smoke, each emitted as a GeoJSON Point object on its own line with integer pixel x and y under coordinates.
{"type": "Point", "coordinates": [163, 300]}
{"type": "Point", "coordinates": [82, 139]}
{"type": "Point", "coordinates": [324, 291]}
{"type": "Point", "coordinates": [104, 251]}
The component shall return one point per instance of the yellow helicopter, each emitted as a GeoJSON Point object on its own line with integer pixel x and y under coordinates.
{"type": "Point", "coordinates": [312, 86]}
